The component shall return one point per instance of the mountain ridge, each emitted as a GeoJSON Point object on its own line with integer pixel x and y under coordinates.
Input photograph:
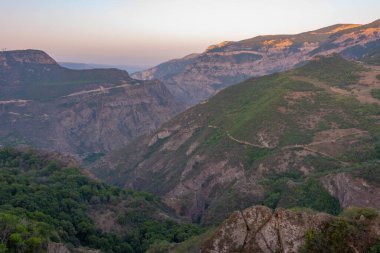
{"type": "Point", "coordinates": [194, 79]}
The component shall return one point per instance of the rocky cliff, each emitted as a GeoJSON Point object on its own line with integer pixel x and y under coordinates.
{"type": "Point", "coordinates": [352, 191]}
{"type": "Point", "coordinates": [260, 229]}
{"type": "Point", "coordinates": [199, 76]}
{"type": "Point", "coordinates": [81, 112]}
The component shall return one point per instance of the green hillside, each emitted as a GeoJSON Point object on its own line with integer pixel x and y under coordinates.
{"type": "Point", "coordinates": [373, 57]}
{"type": "Point", "coordinates": [43, 201]}
{"type": "Point", "coordinates": [279, 134]}
{"type": "Point", "coordinates": [332, 70]}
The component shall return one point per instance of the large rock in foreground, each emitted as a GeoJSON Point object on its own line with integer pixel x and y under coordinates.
{"type": "Point", "coordinates": [259, 229]}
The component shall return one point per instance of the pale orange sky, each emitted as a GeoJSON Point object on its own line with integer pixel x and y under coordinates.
{"type": "Point", "coordinates": [148, 32]}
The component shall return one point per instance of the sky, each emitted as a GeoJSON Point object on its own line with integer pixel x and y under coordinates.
{"type": "Point", "coordinates": [148, 32]}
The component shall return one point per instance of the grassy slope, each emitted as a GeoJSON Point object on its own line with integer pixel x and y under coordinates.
{"type": "Point", "coordinates": [333, 70]}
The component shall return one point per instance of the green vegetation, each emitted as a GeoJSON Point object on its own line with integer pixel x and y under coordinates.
{"type": "Point", "coordinates": [334, 238]}
{"type": "Point", "coordinates": [93, 157]}
{"type": "Point", "coordinates": [373, 58]}
{"type": "Point", "coordinates": [312, 195]}
{"type": "Point", "coordinates": [215, 137]}
{"type": "Point", "coordinates": [344, 72]}
{"type": "Point", "coordinates": [193, 245]}
{"type": "Point", "coordinates": [42, 201]}
{"type": "Point", "coordinates": [355, 213]}
{"type": "Point", "coordinates": [291, 190]}
{"type": "Point", "coordinates": [376, 92]}
{"type": "Point", "coordinates": [23, 235]}
{"type": "Point", "coordinates": [252, 107]}
{"type": "Point", "coordinates": [339, 233]}
{"type": "Point", "coordinates": [256, 154]}
{"type": "Point", "coordinates": [375, 247]}
{"type": "Point", "coordinates": [369, 171]}
{"type": "Point", "coordinates": [378, 77]}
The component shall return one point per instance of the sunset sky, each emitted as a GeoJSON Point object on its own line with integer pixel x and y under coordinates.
{"type": "Point", "coordinates": [147, 32]}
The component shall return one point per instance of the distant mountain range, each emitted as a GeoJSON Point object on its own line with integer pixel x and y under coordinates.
{"type": "Point", "coordinates": [81, 66]}
{"type": "Point", "coordinates": [81, 112]}
{"type": "Point", "coordinates": [198, 76]}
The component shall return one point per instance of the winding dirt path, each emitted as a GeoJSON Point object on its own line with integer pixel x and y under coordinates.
{"type": "Point", "coordinates": [307, 147]}
{"type": "Point", "coordinates": [361, 91]}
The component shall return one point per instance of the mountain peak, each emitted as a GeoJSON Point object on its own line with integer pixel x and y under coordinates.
{"type": "Point", "coordinates": [29, 56]}
{"type": "Point", "coordinates": [219, 45]}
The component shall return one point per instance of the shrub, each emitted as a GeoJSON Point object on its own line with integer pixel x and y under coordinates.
{"type": "Point", "coordinates": [375, 248]}
{"type": "Point", "coordinates": [376, 92]}
{"type": "Point", "coordinates": [354, 213]}
{"type": "Point", "coordinates": [335, 238]}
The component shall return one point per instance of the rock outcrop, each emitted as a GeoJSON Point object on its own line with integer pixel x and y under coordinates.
{"type": "Point", "coordinates": [352, 191]}
{"type": "Point", "coordinates": [57, 248]}
{"type": "Point", "coordinates": [61, 248]}
{"type": "Point", "coordinates": [260, 229]}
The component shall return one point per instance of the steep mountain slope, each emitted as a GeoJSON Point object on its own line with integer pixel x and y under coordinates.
{"type": "Point", "coordinates": [44, 201]}
{"type": "Point", "coordinates": [269, 140]}
{"type": "Point", "coordinates": [199, 76]}
{"type": "Point", "coordinates": [76, 111]}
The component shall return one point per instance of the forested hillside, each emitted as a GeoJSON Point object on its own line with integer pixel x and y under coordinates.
{"type": "Point", "coordinates": [43, 201]}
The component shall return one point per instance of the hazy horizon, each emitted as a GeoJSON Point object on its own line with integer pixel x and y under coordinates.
{"type": "Point", "coordinates": [147, 32]}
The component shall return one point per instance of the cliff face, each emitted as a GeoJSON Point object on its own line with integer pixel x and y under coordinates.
{"type": "Point", "coordinates": [260, 229]}
{"type": "Point", "coordinates": [74, 111]}
{"type": "Point", "coordinates": [199, 76]}
{"type": "Point", "coordinates": [352, 191]}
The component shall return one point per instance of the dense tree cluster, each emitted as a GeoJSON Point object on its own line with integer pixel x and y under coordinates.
{"type": "Point", "coordinates": [42, 201]}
